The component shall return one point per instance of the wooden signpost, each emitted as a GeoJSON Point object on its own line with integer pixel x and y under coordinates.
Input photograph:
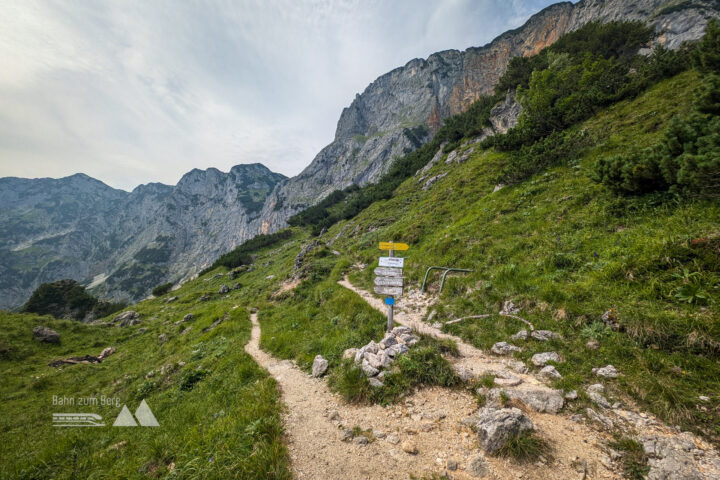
{"type": "Point", "coordinates": [388, 279]}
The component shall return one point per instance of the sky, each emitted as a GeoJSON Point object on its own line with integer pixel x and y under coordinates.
{"type": "Point", "coordinates": [139, 91]}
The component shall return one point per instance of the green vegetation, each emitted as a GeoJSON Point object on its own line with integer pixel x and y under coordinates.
{"type": "Point", "coordinates": [634, 460]}
{"type": "Point", "coordinates": [242, 254]}
{"type": "Point", "coordinates": [524, 448]}
{"type": "Point", "coordinates": [68, 299]}
{"type": "Point", "coordinates": [161, 290]}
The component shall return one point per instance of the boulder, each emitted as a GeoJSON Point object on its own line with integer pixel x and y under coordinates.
{"type": "Point", "coordinates": [541, 359]}
{"type": "Point", "coordinates": [608, 371]}
{"type": "Point", "coordinates": [495, 427]}
{"type": "Point", "coordinates": [549, 372]}
{"type": "Point", "coordinates": [504, 348]}
{"type": "Point", "coordinates": [545, 335]}
{"type": "Point", "coordinates": [671, 458]}
{"type": "Point", "coordinates": [319, 366]}
{"type": "Point", "coordinates": [224, 289]}
{"type": "Point", "coordinates": [373, 360]}
{"type": "Point", "coordinates": [128, 318]}
{"type": "Point", "coordinates": [45, 334]}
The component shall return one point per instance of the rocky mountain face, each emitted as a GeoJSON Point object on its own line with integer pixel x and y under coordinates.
{"type": "Point", "coordinates": [123, 244]}
{"type": "Point", "coordinates": [401, 110]}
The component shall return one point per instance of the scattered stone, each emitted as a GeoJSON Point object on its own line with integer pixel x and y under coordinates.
{"type": "Point", "coordinates": [437, 325]}
{"type": "Point", "coordinates": [349, 353]}
{"type": "Point", "coordinates": [704, 398]}
{"type": "Point", "coordinates": [465, 374]}
{"type": "Point", "coordinates": [106, 353]}
{"type": "Point", "coordinates": [504, 348]}
{"type": "Point", "coordinates": [671, 458]}
{"type": "Point", "coordinates": [388, 341]}
{"type": "Point", "coordinates": [610, 318]}
{"type": "Point", "coordinates": [224, 289]}
{"type": "Point", "coordinates": [508, 382]}
{"type": "Point", "coordinates": [545, 335]}
{"type": "Point", "coordinates": [401, 330]}
{"type": "Point", "coordinates": [45, 334]}
{"type": "Point", "coordinates": [601, 419]}
{"type": "Point", "coordinates": [498, 187]}
{"type": "Point", "coordinates": [126, 319]}
{"type": "Point", "coordinates": [361, 440]}
{"type": "Point", "coordinates": [550, 373]}
{"type": "Point", "coordinates": [541, 399]}
{"type": "Point", "coordinates": [521, 335]}
{"type": "Point", "coordinates": [379, 434]}
{"type": "Point", "coordinates": [517, 366]}
{"type": "Point", "coordinates": [319, 366]}
{"type": "Point", "coordinates": [599, 399]}
{"type": "Point", "coordinates": [541, 359]}
{"type": "Point", "coordinates": [347, 435]}
{"type": "Point", "coordinates": [269, 277]}
{"type": "Point", "coordinates": [172, 299]}
{"type": "Point", "coordinates": [596, 387]}
{"type": "Point", "coordinates": [393, 439]}
{"type": "Point", "coordinates": [186, 331]}
{"type": "Point", "coordinates": [593, 344]}
{"type": "Point", "coordinates": [494, 427]}
{"type": "Point", "coordinates": [334, 416]}
{"type": "Point", "coordinates": [204, 298]}
{"type": "Point", "coordinates": [368, 369]}
{"type": "Point", "coordinates": [608, 371]}
{"type": "Point", "coordinates": [477, 466]}
{"type": "Point", "coordinates": [509, 308]}
{"type": "Point", "coordinates": [451, 465]}
{"type": "Point", "coordinates": [188, 317]}
{"type": "Point", "coordinates": [375, 382]}
{"type": "Point", "coordinates": [409, 447]}
{"type": "Point", "coordinates": [141, 330]}
{"type": "Point", "coordinates": [162, 337]}
{"type": "Point", "coordinates": [572, 395]}
{"type": "Point", "coordinates": [427, 427]}
{"type": "Point", "coordinates": [215, 323]}
{"type": "Point", "coordinates": [85, 359]}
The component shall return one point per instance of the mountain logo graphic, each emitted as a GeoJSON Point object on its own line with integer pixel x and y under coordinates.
{"type": "Point", "coordinates": [143, 414]}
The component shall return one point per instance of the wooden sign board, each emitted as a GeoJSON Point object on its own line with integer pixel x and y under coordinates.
{"type": "Point", "coordinates": [389, 281]}
{"type": "Point", "coordinates": [388, 272]}
{"type": "Point", "coordinates": [395, 291]}
{"type": "Point", "coordinates": [393, 246]}
{"type": "Point", "coordinates": [392, 262]}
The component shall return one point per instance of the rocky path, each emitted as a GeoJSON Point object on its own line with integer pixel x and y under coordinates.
{"type": "Point", "coordinates": [672, 454]}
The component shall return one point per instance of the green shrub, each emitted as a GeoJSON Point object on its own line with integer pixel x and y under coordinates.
{"type": "Point", "coordinates": [634, 460]}
{"type": "Point", "coordinates": [707, 54]}
{"type": "Point", "coordinates": [67, 299]}
{"type": "Point", "coordinates": [190, 378]}
{"type": "Point", "coordinates": [525, 447]}
{"type": "Point", "coordinates": [241, 255]}
{"type": "Point", "coordinates": [161, 290]}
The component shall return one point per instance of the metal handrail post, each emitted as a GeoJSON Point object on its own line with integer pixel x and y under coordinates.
{"type": "Point", "coordinates": [422, 289]}
{"type": "Point", "coordinates": [442, 283]}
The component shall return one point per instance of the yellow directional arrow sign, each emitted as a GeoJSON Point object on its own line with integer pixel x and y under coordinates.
{"type": "Point", "coordinates": [393, 246]}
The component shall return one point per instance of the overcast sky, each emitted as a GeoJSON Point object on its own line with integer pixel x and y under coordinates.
{"type": "Point", "coordinates": [131, 92]}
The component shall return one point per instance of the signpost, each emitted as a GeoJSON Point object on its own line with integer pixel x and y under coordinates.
{"type": "Point", "coordinates": [388, 279]}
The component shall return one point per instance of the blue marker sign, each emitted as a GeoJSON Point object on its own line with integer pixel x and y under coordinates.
{"type": "Point", "coordinates": [389, 301]}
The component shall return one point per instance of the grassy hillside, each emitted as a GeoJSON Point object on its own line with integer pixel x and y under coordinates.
{"type": "Point", "coordinates": [567, 250]}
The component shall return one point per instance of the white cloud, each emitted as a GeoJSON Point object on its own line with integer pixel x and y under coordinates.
{"type": "Point", "coordinates": [137, 91]}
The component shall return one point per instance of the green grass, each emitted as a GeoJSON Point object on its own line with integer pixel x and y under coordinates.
{"type": "Point", "coordinates": [219, 413]}
{"type": "Point", "coordinates": [565, 249]}
{"type": "Point", "coordinates": [524, 448]}
{"type": "Point", "coordinates": [634, 461]}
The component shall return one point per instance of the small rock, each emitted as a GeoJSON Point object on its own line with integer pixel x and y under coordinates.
{"type": "Point", "coordinates": [599, 399]}
{"type": "Point", "coordinates": [704, 398]}
{"type": "Point", "coordinates": [375, 383]}
{"type": "Point", "coordinates": [409, 447]}
{"type": "Point", "coordinates": [128, 318]}
{"type": "Point", "coordinates": [521, 335]}
{"type": "Point", "coordinates": [596, 387]}
{"type": "Point", "coordinates": [388, 341]}
{"type": "Point", "coordinates": [508, 382]}
{"type": "Point", "coordinates": [106, 353]}
{"type": "Point", "coordinates": [171, 299]}
{"type": "Point", "coordinates": [608, 371]}
{"type": "Point", "coordinates": [409, 339]}
{"type": "Point", "coordinates": [494, 427]}
{"type": "Point", "coordinates": [504, 348]}
{"type": "Point", "coordinates": [162, 337]}
{"type": "Point", "coordinates": [224, 289]}
{"type": "Point", "coordinates": [204, 298]}
{"type": "Point", "coordinates": [545, 335]}
{"type": "Point", "coordinates": [451, 465]}
{"type": "Point", "coordinates": [188, 317]}
{"type": "Point", "coordinates": [269, 277]}
{"type": "Point", "coordinates": [47, 335]}
{"type": "Point", "coordinates": [401, 330]}
{"type": "Point", "coordinates": [610, 319]}
{"type": "Point", "coordinates": [549, 372]}
{"type": "Point", "coordinates": [498, 187]}
{"type": "Point", "coordinates": [347, 435]}
{"type": "Point", "coordinates": [334, 416]}
{"type": "Point", "coordinates": [349, 353]}
{"type": "Point", "coordinates": [361, 440]}
{"type": "Point", "coordinates": [437, 325]}
{"type": "Point", "coordinates": [477, 466]}
{"type": "Point", "coordinates": [509, 308]}
{"type": "Point", "coordinates": [379, 434]}
{"type": "Point", "coordinates": [373, 360]}
{"type": "Point", "coordinates": [427, 427]}
{"type": "Point", "coordinates": [393, 439]}
{"type": "Point", "coordinates": [141, 330]}
{"type": "Point", "coordinates": [187, 330]}
{"type": "Point", "coordinates": [517, 366]}
{"type": "Point", "coordinates": [573, 395]}
{"type": "Point", "coordinates": [368, 369]}
{"type": "Point", "coordinates": [319, 366]}
{"type": "Point", "coordinates": [465, 374]}
{"type": "Point", "coordinates": [541, 359]}
{"type": "Point", "coordinates": [601, 419]}
{"type": "Point", "coordinates": [593, 344]}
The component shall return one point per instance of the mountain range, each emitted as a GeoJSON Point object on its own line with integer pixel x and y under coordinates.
{"type": "Point", "coordinates": [122, 244]}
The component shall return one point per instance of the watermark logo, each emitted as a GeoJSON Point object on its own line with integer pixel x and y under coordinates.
{"type": "Point", "coordinates": [77, 420]}
{"type": "Point", "coordinates": [143, 414]}
{"type": "Point", "coordinates": [144, 417]}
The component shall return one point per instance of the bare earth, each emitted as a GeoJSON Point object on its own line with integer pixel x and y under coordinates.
{"type": "Point", "coordinates": [429, 419]}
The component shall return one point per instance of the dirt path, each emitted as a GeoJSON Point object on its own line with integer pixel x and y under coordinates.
{"type": "Point", "coordinates": [429, 420]}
